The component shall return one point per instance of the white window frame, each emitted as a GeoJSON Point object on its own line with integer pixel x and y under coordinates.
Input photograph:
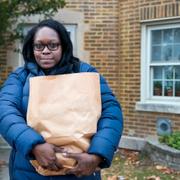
{"type": "Point", "coordinates": [72, 28]}
{"type": "Point", "coordinates": [26, 28]}
{"type": "Point", "coordinates": [148, 102]}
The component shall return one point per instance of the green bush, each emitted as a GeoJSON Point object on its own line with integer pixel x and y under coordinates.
{"type": "Point", "coordinates": [13, 11]}
{"type": "Point", "coordinates": [172, 140]}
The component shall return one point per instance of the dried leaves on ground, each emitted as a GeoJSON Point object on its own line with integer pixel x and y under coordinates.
{"type": "Point", "coordinates": [133, 165]}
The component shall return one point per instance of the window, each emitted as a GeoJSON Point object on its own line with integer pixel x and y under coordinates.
{"type": "Point", "coordinates": [72, 32]}
{"type": "Point", "coordinates": [160, 68]}
{"type": "Point", "coordinates": [165, 61]}
{"type": "Point", "coordinates": [26, 28]}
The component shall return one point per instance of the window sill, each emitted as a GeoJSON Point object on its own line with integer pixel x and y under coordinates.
{"type": "Point", "coordinates": [156, 106]}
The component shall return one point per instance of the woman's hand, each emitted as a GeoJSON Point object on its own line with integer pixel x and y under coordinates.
{"type": "Point", "coordinates": [45, 155]}
{"type": "Point", "coordinates": [86, 163]}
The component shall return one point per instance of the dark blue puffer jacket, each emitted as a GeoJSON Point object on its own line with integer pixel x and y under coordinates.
{"type": "Point", "coordinates": [22, 138]}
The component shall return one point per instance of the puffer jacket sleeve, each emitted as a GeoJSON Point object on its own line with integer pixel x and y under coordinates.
{"type": "Point", "coordinates": [109, 129]}
{"type": "Point", "coordinates": [13, 126]}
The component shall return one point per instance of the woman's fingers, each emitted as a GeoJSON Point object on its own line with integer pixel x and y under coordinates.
{"type": "Point", "coordinates": [58, 164]}
{"type": "Point", "coordinates": [86, 163]}
{"type": "Point", "coordinates": [75, 156]}
{"type": "Point", "coordinates": [51, 166]}
{"type": "Point", "coordinates": [45, 154]}
{"type": "Point", "coordinates": [59, 149]}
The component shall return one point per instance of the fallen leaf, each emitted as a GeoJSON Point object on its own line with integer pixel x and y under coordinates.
{"type": "Point", "coordinates": [164, 169]}
{"type": "Point", "coordinates": [153, 178]}
{"type": "Point", "coordinates": [158, 167]}
{"type": "Point", "coordinates": [137, 162]}
{"type": "Point", "coordinates": [112, 178]}
{"type": "Point", "coordinates": [121, 178]}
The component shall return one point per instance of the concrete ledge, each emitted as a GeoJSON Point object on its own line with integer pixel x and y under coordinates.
{"type": "Point", "coordinates": [161, 153]}
{"type": "Point", "coordinates": [127, 142]}
{"type": "Point", "coordinates": [154, 106]}
{"type": "Point", "coordinates": [133, 143]}
{"type": "Point", "coordinates": [156, 151]}
{"type": "Point", "coordinates": [4, 144]}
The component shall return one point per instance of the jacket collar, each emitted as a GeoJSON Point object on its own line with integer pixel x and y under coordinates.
{"type": "Point", "coordinates": [37, 71]}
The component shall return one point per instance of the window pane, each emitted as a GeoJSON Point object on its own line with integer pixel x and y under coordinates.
{"type": "Point", "coordinates": [177, 52]}
{"type": "Point", "coordinates": [157, 88]}
{"type": "Point", "coordinates": [26, 28]}
{"type": "Point", "coordinates": [156, 53]}
{"type": "Point", "coordinates": [165, 62]}
{"type": "Point", "coordinates": [168, 37]}
{"type": "Point", "coordinates": [167, 53]}
{"type": "Point", "coordinates": [177, 35]}
{"type": "Point", "coordinates": [157, 72]}
{"type": "Point", "coordinates": [168, 88]}
{"type": "Point", "coordinates": [156, 37]}
{"type": "Point", "coordinates": [177, 88]}
{"type": "Point", "coordinates": [177, 72]}
{"type": "Point", "coordinates": [168, 72]}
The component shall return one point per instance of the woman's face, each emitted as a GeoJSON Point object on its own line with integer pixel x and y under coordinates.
{"type": "Point", "coordinates": [47, 48]}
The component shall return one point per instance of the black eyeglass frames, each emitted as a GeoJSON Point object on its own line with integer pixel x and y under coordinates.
{"type": "Point", "coordinates": [51, 46]}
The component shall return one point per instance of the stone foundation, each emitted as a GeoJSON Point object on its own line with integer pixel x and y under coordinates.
{"type": "Point", "coordinates": [162, 154]}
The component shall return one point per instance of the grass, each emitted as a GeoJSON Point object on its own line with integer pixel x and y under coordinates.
{"type": "Point", "coordinates": [132, 165]}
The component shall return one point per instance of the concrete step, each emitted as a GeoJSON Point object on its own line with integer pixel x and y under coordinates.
{"type": "Point", "coordinates": [4, 158]}
{"type": "Point", "coordinates": [3, 143]}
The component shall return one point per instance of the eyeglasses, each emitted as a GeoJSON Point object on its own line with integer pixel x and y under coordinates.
{"type": "Point", "coordinates": [51, 46]}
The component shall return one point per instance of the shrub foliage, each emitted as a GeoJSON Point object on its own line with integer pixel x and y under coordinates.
{"type": "Point", "coordinates": [12, 10]}
{"type": "Point", "coordinates": [172, 140]}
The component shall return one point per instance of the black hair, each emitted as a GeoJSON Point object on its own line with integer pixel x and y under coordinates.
{"type": "Point", "coordinates": [67, 48]}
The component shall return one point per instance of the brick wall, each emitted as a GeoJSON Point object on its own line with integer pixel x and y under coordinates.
{"type": "Point", "coordinates": [4, 69]}
{"type": "Point", "coordinates": [113, 42]}
{"type": "Point", "coordinates": [101, 41]}
{"type": "Point", "coordinates": [131, 13]}
{"type": "Point", "coordinates": [4, 72]}
{"type": "Point", "coordinates": [2, 56]}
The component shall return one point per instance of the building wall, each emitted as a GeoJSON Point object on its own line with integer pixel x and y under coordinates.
{"type": "Point", "coordinates": [4, 68]}
{"type": "Point", "coordinates": [101, 40]}
{"type": "Point", "coordinates": [131, 13]}
{"type": "Point", "coordinates": [113, 44]}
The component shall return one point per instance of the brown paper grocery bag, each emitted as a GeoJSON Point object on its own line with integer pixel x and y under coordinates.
{"type": "Point", "coordinates": [64, 109]}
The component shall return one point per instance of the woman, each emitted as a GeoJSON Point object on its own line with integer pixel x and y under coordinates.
{"type": "Point", "coordinates": [47, 50]}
